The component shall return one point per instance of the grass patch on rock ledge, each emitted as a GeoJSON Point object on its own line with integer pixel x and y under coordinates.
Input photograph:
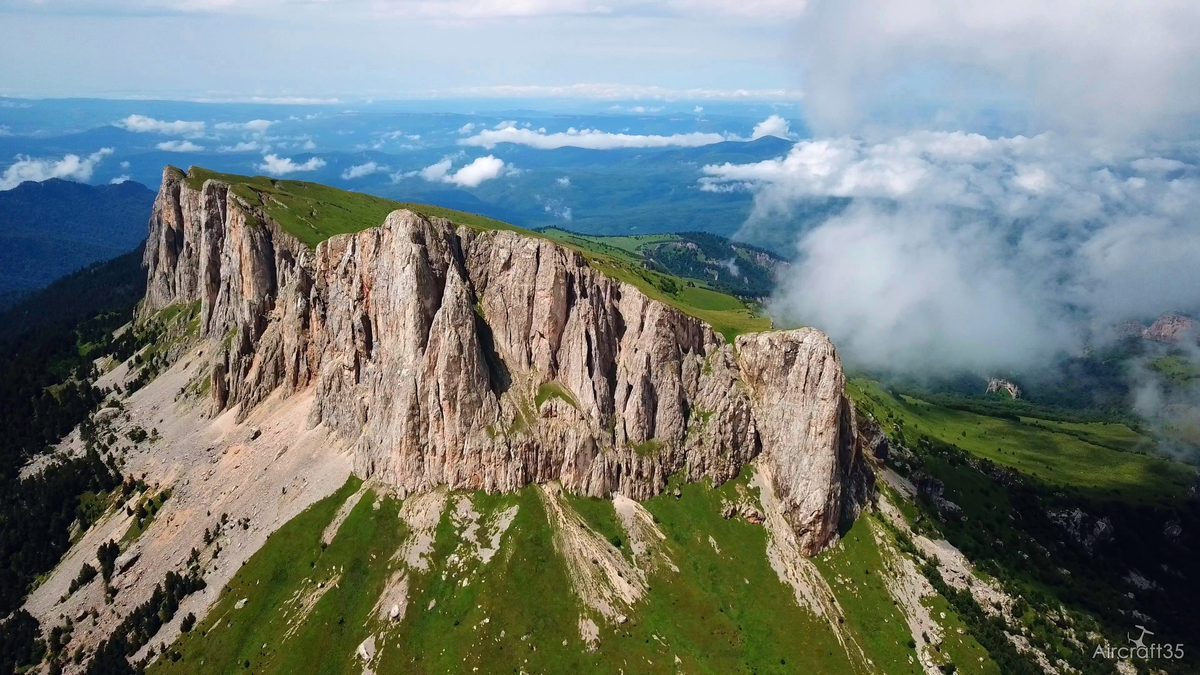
{"type": "Point", "coordinates": [312, 213]}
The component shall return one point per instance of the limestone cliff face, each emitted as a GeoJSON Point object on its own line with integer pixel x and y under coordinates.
{"type": "Point", "coordinates": [489, 360]}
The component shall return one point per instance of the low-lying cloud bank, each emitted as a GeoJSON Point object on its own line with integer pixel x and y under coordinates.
{"type": "Point", "coordinates": [70, 167]}
{"type": "Point", "coordinates": [594, 139]}
{"type": "Point", "coordinates": [963, 251]}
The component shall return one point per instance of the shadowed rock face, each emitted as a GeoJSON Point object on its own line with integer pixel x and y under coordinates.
{"type": "Point", "coordinates": [430, 346]}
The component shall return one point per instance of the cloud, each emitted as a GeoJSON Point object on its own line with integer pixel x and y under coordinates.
{"type": "Point", "coordinates": [360, 170]}
{"type": "Point", "coordinates": [469, 10]}
{"type": "Point", "coordinates": [255, 126]}
{"type": "Point", "coordinates": [1130, 67]}
{"type": "Point", "coordinates": [1157, 165]}
{"type": "Point", "coordinates": [179, 146]}
{"type": "Point", "coordinates": [772, 126]}
{"type": "Point", "coordinates": [281, 166]}
{"type": "Point", "coordinates": [245, 146]}
{"type": "Point", "coordinates": [963, 251]}
{"type": "Point", "coordinates": [466, 128]}
{"type": "Point", "coordinates": [471, 175]}
{"type": "Point", "coordinates": [592, 139]}
{"type": "Point", "coordinates": [615, 92]}
{"type": "Point", "coordinates": [119, 179]}
{"type": "Point", "coordinates": [565, 181]}
{"type": "Point", "coordinates": [71, 167]}
{"type": "Point", "coordinates": [637, 109]}
{"type": "Point", "coordinates": [143, 125]}
{"type": "Point", "coordinates": [558, 211]}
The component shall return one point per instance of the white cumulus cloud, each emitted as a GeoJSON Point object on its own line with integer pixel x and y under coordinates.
{"type": "Point", "coordinates": [471, 175]}
{"type": "Point", "coordinates": [772, 126]}
{"type": "Point", "coordinates": [179, 146]}
{"type": "Point", "coordinates": [143, 125]}
{"type": "Point", "coordinates": [119, 179]}
{"type": "Point", "coordinates": [360, 170]}
{"type": "Point", "coordinates": [71, 166]}
{"type": "Point", "coordinates": [281, 166]}
{"type": "Point", "coordinates": [565, 181]}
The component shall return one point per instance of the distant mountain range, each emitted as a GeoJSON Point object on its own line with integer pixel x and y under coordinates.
{"type": "Point", "coordinates": [55, 227]}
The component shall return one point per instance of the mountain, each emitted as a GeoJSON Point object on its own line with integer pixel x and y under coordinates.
{"type": "Point", "coordinates": [55, 227]}
{"type": "Point", "coordinates": [713, 261]}
{"type": "Point", "coordinates": [344, 434]}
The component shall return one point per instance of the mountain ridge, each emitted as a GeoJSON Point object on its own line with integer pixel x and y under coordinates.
{"type": "Point", "coordinates": [645, 390]}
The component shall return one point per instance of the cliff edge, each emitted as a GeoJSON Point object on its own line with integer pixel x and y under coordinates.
{"type": "Point", "coordinates": [489, 359]}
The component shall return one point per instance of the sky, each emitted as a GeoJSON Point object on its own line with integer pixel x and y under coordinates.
{"type": "Point", "coordinates": [356, 49]}
{"type": "Point", "coordinates": [1016, 176]}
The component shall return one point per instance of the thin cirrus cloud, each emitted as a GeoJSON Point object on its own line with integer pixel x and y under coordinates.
{"type": "Point", "coordinates": [179, 146]}
{"type": "Point", "coordinates": [281, 166]}
{"type": "Point", "coordinates": [70, 167]}
{"type": "Point", "coordinates": [144, 125]}
{"type": "Point", "coordinates": [472, 175]}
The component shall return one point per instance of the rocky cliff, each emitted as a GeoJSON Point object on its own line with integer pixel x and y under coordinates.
{"type": "Point", "coordinates": [491, 359]}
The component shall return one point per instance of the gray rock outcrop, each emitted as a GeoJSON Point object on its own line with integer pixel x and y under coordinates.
{"type": "Point", "coordinates": [492, 359]}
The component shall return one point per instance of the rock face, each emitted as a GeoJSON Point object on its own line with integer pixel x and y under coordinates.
{"type": "Point", "coordinates": [997, 384]}
{"type": "Point", "coordinates": [490, 360]}
{"type": "Point", "coordinates": [1170, 328]}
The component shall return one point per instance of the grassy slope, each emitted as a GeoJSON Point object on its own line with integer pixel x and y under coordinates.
{"type": "Point", "coordinates": [1087, 456]}
{"type": "Point", "coordinates": [293, 561]}
{"type": "Point", "coordinates": [723, 612]}
{"type": "Point", "coordinates": [314, 212]}
{"type": "Point", "coordinates": [855, 569]}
